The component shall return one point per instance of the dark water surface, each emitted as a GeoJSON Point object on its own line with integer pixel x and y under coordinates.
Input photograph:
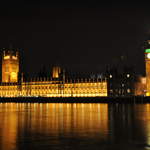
{"type": "Point", "coordinates": [51, 126]}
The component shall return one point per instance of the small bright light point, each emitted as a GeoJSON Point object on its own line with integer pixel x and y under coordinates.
{"type": "Point", "coordinates": [148, 55]}
{"type": "Point", "coordinates": [128, 75]}
{"type": "Point", "coordinates": [110, 76]}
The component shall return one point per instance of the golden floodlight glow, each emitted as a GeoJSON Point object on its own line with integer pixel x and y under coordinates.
{"type": "Point", "coordinates": [56, 72]}
{"type": "Point", "coordinates": [47, 89]}
{"type": "Point", "coordinates": [14, 57]}
{"type": "Point", "coordinates": [10, 67]}
{"type": "Point", "coordinates": [147, 63]}
{"type": "Point", "coordinates": [13, 75]}
{"type": "Point", "coordinates": [80, 88]}
{"type": "Point", "coordinates": [6, 57]}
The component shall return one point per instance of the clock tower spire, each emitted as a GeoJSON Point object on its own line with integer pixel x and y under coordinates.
{"type": "Point", "coordinates": [147, 63]}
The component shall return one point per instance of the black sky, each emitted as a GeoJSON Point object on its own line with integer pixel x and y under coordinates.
{"type": "Point", "coordinates": [82, 36]}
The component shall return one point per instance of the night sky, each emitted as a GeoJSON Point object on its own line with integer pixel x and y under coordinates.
{"type": "Point", "coordinates": [77, 35]}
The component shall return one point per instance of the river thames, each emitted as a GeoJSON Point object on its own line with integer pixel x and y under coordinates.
{"type": "Point", "coordinates": [57, 126]}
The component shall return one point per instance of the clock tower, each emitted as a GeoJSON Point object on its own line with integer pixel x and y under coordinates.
{"type": "Point", "coordinates": [147, 62]}
{"type": "Point", "coordinates": [10, 66]}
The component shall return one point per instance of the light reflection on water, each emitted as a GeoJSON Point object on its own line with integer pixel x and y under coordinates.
{"type": "Point", "coordinates": [74, 126]}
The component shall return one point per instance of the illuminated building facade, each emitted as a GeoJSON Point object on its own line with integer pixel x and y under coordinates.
{"type": "Point", "coordinates": [140, 86]}
{"type": "Point", "coordinates": [56, 72]}
{"type": "Point", "coordinates": [147, 62]}
{"type": "Point", "coordinates": [54, 89]}
{"type": "Point", "coordinates": [12, 86]}
{"type": "Point", "coordinates": [10, 66]}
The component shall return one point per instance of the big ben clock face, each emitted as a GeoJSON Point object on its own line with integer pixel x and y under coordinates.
{"type": "Point", "coordinates": [148, 56]}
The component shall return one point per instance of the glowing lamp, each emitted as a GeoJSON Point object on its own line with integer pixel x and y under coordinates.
{"type": "Point", "coordinates": [148, 55]}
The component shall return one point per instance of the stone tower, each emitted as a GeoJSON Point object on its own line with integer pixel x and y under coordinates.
{"type": "Point", "coordinates": [56, 72]}
{"type": "Point", "coordinates": [147, 62]}
{"type": "Point", "coordinates": [10, 66]}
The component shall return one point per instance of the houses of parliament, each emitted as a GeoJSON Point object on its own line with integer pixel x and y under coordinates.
{"type": "Point", "coordinates": [13, 85]}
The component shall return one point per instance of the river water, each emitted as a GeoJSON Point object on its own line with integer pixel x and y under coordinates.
{"type": "Point", "coordinates": [56, 126]}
